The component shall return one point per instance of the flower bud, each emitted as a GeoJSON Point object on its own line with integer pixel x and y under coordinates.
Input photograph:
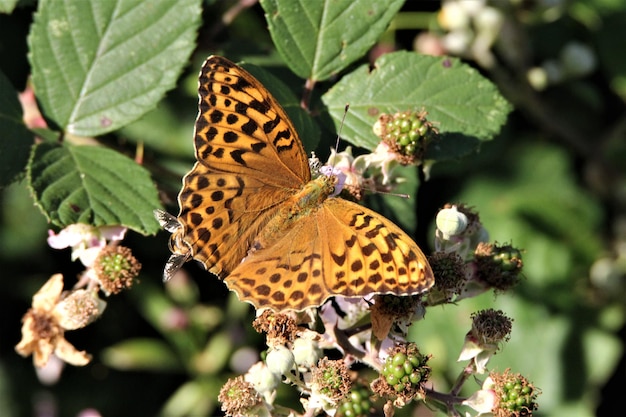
{"type": "Point", "coordinates": [451, 222]}
{"type": "Point", "coordinates": [280, 360]}
{"type": "Point", "coordinates": [306, 352]}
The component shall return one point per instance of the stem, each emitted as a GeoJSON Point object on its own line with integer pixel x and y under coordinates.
{"type": "Point", "coordinates": [449, 400]}
{"type": "Point", "coordinates": [305, 102]}
{"type": "Point", "coordinates": [230, 15]}
{"type": "Point", "coordinates": [469, 370]}
{"type": "Point", "coordinates": [351, 331]}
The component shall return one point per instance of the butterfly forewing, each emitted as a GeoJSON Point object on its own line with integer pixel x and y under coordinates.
{"type": "Point", "coordinates": [242, 128]}
{"type": "Point", "coordinates": [249, 161]}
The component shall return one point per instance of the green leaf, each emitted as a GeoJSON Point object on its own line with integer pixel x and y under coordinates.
{"type": "Point", "coordinates": [457, 98]}
{"type": "Point", "coordinates": [92, 185]}
{"type": "Point", "coordinates": [16, 139]}
{"type": "Point", "coordinates": [7, 6]}
{"type": "Point", "coordinates": [318, 39]}
{"type": "Point", "coordinates": [451, 146]}
{"type": "Point", "coordinates": [290, 103]}
{"type": "Point", "coordinates": [98, 65]}
{"type": "Point", "coordinates": [162, 131]}
{"type": "Point", "coordinates": [141, 354]}
{"type": "Point", "coordinates": [194, 398]}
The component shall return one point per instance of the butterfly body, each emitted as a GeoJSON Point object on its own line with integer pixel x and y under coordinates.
{"type": "Point", "coordinates": [252, 215]}
{"type": "Point", "coordinates": [301, 206]}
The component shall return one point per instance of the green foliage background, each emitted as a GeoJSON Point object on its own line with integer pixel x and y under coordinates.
{"type": "Point", "coordinates": [550, 181]}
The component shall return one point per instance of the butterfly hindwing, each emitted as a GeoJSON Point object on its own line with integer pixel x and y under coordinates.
{"type": "Point", "coordinates": [341, 248]}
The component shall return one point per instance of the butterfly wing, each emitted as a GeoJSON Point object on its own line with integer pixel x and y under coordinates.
{"type": "Point", "coordinates": [342, 249]}
{"type": "Point", "coordinates": [249, 161]}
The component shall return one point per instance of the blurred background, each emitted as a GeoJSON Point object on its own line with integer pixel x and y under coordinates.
{"type": "Point", "coordinates": [552, 183]}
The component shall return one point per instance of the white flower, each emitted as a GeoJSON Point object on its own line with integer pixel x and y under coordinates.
{"type": "Point", "coordinates": [86, 241]}
{"type": "Point", "coordinates": [481, 353]}
{"type": "Point", "coordinates": [483, 401]}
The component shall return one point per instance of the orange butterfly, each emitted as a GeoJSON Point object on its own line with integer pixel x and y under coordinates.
{"type": "Point", "coordinates": [252, 215]}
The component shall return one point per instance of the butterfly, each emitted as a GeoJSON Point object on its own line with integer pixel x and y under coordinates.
{"type": "Point", "coordinates": [251, 213]}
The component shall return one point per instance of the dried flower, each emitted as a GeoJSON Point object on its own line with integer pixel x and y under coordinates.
{"type": "Point", "coordinates": [390, 310]}
{"type": "Point", "coordinates": [489, 328]}
{"type": "Point", "coordinates": [239, 398]}
{"type": "Point", "coordinates": [79, 308]}
{"type": "Point", "coordinates": [116, 268]}
{"type": "Point", "coordinates": [450, 277]}
{"type": "Point", "coordinates": [43, 327]}
{"type": "Point", "coordinates": [280, 328]}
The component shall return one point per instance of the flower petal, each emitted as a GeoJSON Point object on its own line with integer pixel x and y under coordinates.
{"type": "Point", "coordinates": [483, 401]}
{"type": "Point", "coordinates": [42, 351]}
{"type": "Point", "coordinates": [470, 349]}
{"type": "Point", "coordinates": [113, 232]}
{"type": "Point", "coordinates": [48, 295]}
{"type": "Point", "coordinates": [70, 236]}
{"type": "Point", "coordinates": [26, 346]}
{"type": "Point", "coordinates": [88, 256]}
{"type": "Point", "coordinates": [65, 351]}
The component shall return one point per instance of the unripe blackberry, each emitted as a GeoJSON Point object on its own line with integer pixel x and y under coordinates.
{"type": "Point", "coordinates": [517, 396]}
{"type": "Point", "coordinates": [406, 370]}
{"type": "Point", "coordinates": [356, 404]}
{"type": "Point", "coordinates": [498, 266]}
{"type": "Point", "coordinates": [406, 133]}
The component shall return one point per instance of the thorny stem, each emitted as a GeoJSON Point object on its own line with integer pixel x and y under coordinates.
{"type": "Point", "coordinates": [469, 370]}
{"type": "Point", "coordinates": [280, 410]}
{"type": "Point", "coordinates": [351, 331]}
{"type": "Point", "coordinates": [342, 339]}
{"type": "Point", "coordinates": [448, 399]}
{"type": "Point", "coordinates": [369, 357]}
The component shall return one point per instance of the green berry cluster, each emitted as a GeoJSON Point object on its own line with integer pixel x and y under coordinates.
{"type": "Point", "coordinates": [508, 258]}
{"type": "Point", "coordinates": [406, 130]}
{"type": "Point", "coordinates": [356, 404]}
{"type": "Point", "coordinates": [405, 371]}
{"type": "Point", "coordinates": [499, 266]}
{"type": "Point", "coordinates": [517, 397]}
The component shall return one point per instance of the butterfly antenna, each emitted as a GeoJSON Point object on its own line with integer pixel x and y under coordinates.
{"type": "Point", "coordinates": [401, 195]}
{"type": "Point", "coordinates": [343, 119]}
